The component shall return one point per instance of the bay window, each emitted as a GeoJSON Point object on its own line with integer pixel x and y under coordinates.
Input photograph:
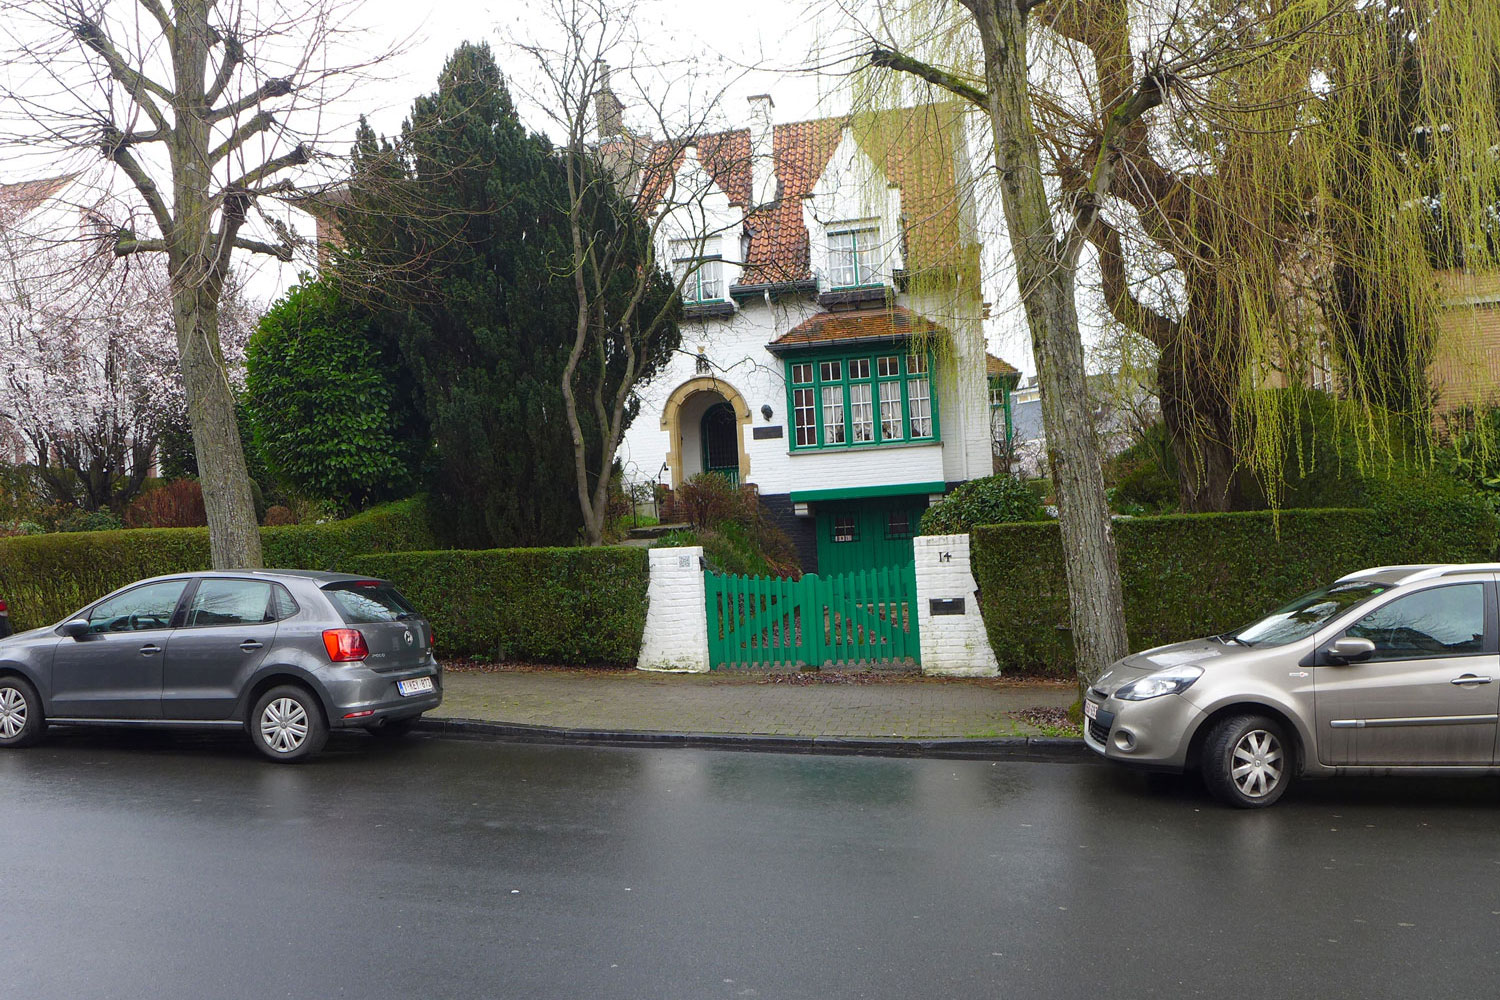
{"type": "Point", "coordinates": [863, 399]}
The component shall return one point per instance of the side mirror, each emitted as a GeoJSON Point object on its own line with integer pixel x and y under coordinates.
{"type": "Point", "coordinates": [1349, 649]}
{"type": "Point", "coordinates": [75, 629]}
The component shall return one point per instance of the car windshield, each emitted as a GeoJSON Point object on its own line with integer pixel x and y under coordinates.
{"type": "Point", "coordinates": [1307, 614]}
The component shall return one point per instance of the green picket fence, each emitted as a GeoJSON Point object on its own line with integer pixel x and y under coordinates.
{"type": "Point", "coordinates": [869, 616]}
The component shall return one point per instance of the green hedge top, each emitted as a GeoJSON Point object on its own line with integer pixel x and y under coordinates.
{"type": "Point", "coordinates": [1191, 575]}
{"type": "Point", "coordinates": [580, 606]}
{"type": "Point", "coordinates": [47, 577]}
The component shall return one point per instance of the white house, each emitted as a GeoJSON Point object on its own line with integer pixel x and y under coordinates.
{"type": "Point", "coordinates": [833, 354]}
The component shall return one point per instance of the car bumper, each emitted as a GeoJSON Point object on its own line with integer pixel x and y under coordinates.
{"type": "Point", "coordinates": [5, 628]}
{"type": "Point", "coordinates": [1155, 733]}
{"type": "Point", "coordinates": [363, 697]}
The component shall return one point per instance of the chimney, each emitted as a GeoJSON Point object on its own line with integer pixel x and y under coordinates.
{"type": "Point", "coordinates": [607, 106]}
{"type": "Point", "coordinates": [762, 158]}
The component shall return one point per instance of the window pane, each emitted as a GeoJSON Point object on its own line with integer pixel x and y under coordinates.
{"type": "Point", "coordinates": [845, 528]}
{"type": "Point", "coordinates": [898, 525]}
{"type": "Point", "coordinates": [861, 416]}
{"type": "Point", "coordinates": [804, 415]}
{"type": "Point", "coordinates": [890, 411]}
{"type": "Point", "coordinates": [801, 374]}
{"type": "Point", "coordinates": [833, 414]}
{"type": "Point", "coordinates": [230, 602]}
{"type": "Point", "coordinates": [831, 371]}
{"type": "Point", "coordinates": [916, 364]}
{"type": "Point", "coordinates": [841, 257]}
{"type": "Point", "coordinates": [866, 256]}
{"type": "Point", "coordinates": [888, 367]}
{"type": "Point", "coordinates": [367, 603]}
{"type": "Point", "coordinates": [1444, 621]}
{"type": "Point", "coordinates": [919, 402]}
{"type": "Point", "coordinates": [709, 279]}
{"type": "Point", "coordinates": [859, 368]}
{"type": "Point", "coordinates": [148, 607]}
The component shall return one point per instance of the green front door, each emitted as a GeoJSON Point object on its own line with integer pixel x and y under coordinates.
{"type": "Point", "coordinates": [867, 534]}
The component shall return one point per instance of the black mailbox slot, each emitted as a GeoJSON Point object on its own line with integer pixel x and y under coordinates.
{"type": "Point", "coordinates": [947, 605]}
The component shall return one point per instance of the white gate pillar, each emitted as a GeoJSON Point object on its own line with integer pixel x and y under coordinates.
{"type": "Point", "coordinates": [954, 642]}
{"type": "Point", "coordinates": [676, 637]}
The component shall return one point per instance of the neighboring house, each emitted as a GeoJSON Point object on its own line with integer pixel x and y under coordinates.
{"type": "Point", "coordinates": [1118, 426]}
{"type": "Point", "coordinates": [1002, 379]}
{"type": "Point", "coordinates": [832, 355]}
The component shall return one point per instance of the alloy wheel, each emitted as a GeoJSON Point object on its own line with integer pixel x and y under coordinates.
{"type": "Point", "coordinates": [13, 710]}
{"type": "Point", "coordinates": [1258, 763]}
{"type": "Point", "coordinates": [283, 725]}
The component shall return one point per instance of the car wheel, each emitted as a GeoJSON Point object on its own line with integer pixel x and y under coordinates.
{"type": "Point", "coordinates": [1247, 761]}
{"type": "Point", "coordinates": [392, 730]}
{"type": "Point", "coordinates": [21, 721]}
{"type": "Point", "coordinates": [287, 724]}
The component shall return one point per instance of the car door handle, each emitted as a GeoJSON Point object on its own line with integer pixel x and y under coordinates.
{"type": "Point", "coordinates": [1468, 679]}
{"type": "Point", "coordinates": [250, 646]}
{"type": "Point", "coordinates": [150, 649]}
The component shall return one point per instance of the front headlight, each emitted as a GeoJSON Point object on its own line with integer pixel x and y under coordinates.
{"type": "Point", "coordinates": [1173, 680]}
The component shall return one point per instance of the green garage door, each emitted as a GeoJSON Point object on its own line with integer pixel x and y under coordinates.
{"type": "Point", "coordinates": [866, 534]}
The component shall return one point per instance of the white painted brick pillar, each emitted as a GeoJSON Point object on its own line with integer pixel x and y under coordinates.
{"type": "Point", "coordinates": [953, 645]}
{"type": "Point", "coordinates": [676, 636]}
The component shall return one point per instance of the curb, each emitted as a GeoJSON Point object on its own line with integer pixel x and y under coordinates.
{"type": "Point", "coordinates": [1041, 749]}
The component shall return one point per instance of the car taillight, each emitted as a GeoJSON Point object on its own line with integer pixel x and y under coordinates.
{"type": "Point", "coordinates": [3, 608]}
{"type": "Point", "coordinates": [431, 636]}
{"type": "Point", "coordinates": [345, 645]}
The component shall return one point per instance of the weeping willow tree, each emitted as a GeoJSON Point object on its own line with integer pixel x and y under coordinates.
{"type": "Point", "coordinates": [1309, 167]}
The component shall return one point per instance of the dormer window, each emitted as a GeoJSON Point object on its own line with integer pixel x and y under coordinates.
{"type": "Point", "coordinates": [852, 257]}
{"type": "Point", "coordinates": [699, 274]}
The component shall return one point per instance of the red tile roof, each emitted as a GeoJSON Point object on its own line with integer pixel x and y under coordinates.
{"type": "Point", "coordinates": [995, 366]}
{"type": "Point", "coordinates": [917, 149]}
{"type": "Point", "coordinates": [20, 199]}
{"type": "Point", "coordinates": [865, 325]}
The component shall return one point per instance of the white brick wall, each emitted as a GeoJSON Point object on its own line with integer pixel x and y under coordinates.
{"type": "Point", "coordinates": [676, 636]}
{"type": "Point", "coordinates": [952, 645]}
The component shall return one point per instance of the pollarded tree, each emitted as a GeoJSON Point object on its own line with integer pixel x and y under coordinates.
{"type": "Point", "coordinates": [200, 105]}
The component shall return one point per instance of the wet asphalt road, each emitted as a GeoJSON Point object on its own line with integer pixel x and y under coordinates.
{"type": "Point", "coordinates": [170, 866]}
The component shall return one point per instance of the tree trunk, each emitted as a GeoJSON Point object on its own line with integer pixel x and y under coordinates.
{"type": "Point", "coordinates": [233, 530]}
{"type": "Point", "coordinates": [1047, 281]}
{"type": "Point", "coordinates": [1198, 413]}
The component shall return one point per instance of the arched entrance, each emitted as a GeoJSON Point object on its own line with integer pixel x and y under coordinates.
{"type": "Point", "coordinates": [719, 433]}
{"type": "Point", "coordinates": [706, 419]}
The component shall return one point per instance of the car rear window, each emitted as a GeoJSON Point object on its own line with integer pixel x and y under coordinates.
{"type": "Point", "coordinates": [361, 603]}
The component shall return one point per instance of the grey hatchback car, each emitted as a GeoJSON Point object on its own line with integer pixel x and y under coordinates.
{"type": "Point", "coordinates": [286, 654]}
{"type": "Point", "coordinates": [1388, 670]}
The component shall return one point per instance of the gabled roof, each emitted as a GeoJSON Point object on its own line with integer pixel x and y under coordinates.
{"type": "Point", "coordinates": [916, 148]}
{"type": "Point", "coordinates": [20, 199]}
{"type": "Point", "coordinates": [865, 326]}
{"type": "Point", "coordinates": [994, 366]}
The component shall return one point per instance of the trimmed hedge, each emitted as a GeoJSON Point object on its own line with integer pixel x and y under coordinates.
{"type": "Point", "coordinates": [1191, 575]}
{"type": "Point", "coordinates": [46, 577]}
{"type": "Point", "coordinates": [579, 606]}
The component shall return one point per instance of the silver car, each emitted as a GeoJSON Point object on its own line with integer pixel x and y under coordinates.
{"type": "Point", "coordinates": [1388, 670]}
{"type": "Point", "coordinates": [285, 654]}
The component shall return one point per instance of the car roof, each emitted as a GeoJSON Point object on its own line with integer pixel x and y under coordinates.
{"type": "Point", "coordinates": [1397, 575]}
{"type": "Point", "coordinates": [321, 577]}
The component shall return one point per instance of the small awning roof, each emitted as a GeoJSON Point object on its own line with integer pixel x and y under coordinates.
{"type": "Point", "coordinates": [862, 326]}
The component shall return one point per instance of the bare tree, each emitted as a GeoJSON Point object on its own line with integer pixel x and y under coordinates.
{"type": "Point", "coordinates": [205, 107]}
{"type": "Point", "coordinates": [639, 211]}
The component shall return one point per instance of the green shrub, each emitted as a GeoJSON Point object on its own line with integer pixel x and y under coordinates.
{"type": "Point", "coordinates": [46, 577]}
{"type": "Point", "coordinates": [1190, 575]}
{"type": "Point", "coordinates": [89, 520]}
{"type": "Point", "coordinates": [736, 534]}
{"type": "Point", "coordinates": [992, 500]}
{"type": "Point", "coordinates": [578, 606]}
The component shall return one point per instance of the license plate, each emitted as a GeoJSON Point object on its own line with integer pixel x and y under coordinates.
{"type": "Point", "coordinates": [417, 685]}
{"type": "Point", "coordinates": [1090, 710]}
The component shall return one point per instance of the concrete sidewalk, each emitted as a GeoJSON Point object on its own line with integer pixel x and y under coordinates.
{"type": "Point", "coordinates": [871, 706]}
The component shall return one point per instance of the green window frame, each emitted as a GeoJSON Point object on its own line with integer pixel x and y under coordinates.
{"type": "Point", "coordinates": [861, 400]}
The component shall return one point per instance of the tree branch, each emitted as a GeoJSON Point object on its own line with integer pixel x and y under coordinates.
{"type": "Point", "coordinates": [259, 123]}
{"type": "Point", "coordinates": [1123, 304]}
{"type": "Point", "coordinates": [295, 158]}
{"type": "Point", "coordinates": [126, 243]}
{"type": "Point", "coordinates": [137, 84]}
{"type": "Point", "coordinates": [234, 55]}
{"type": "Point", "coordinates": [115, 150]}
{"type": "Point", "coordinates": [279, 87]}
{"type": "Point", "coordinates": [168, 29]}
{"type": "Point", "coordinates": [282, 252]}
{"type": "Point", "coordinates": [885, 58]}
